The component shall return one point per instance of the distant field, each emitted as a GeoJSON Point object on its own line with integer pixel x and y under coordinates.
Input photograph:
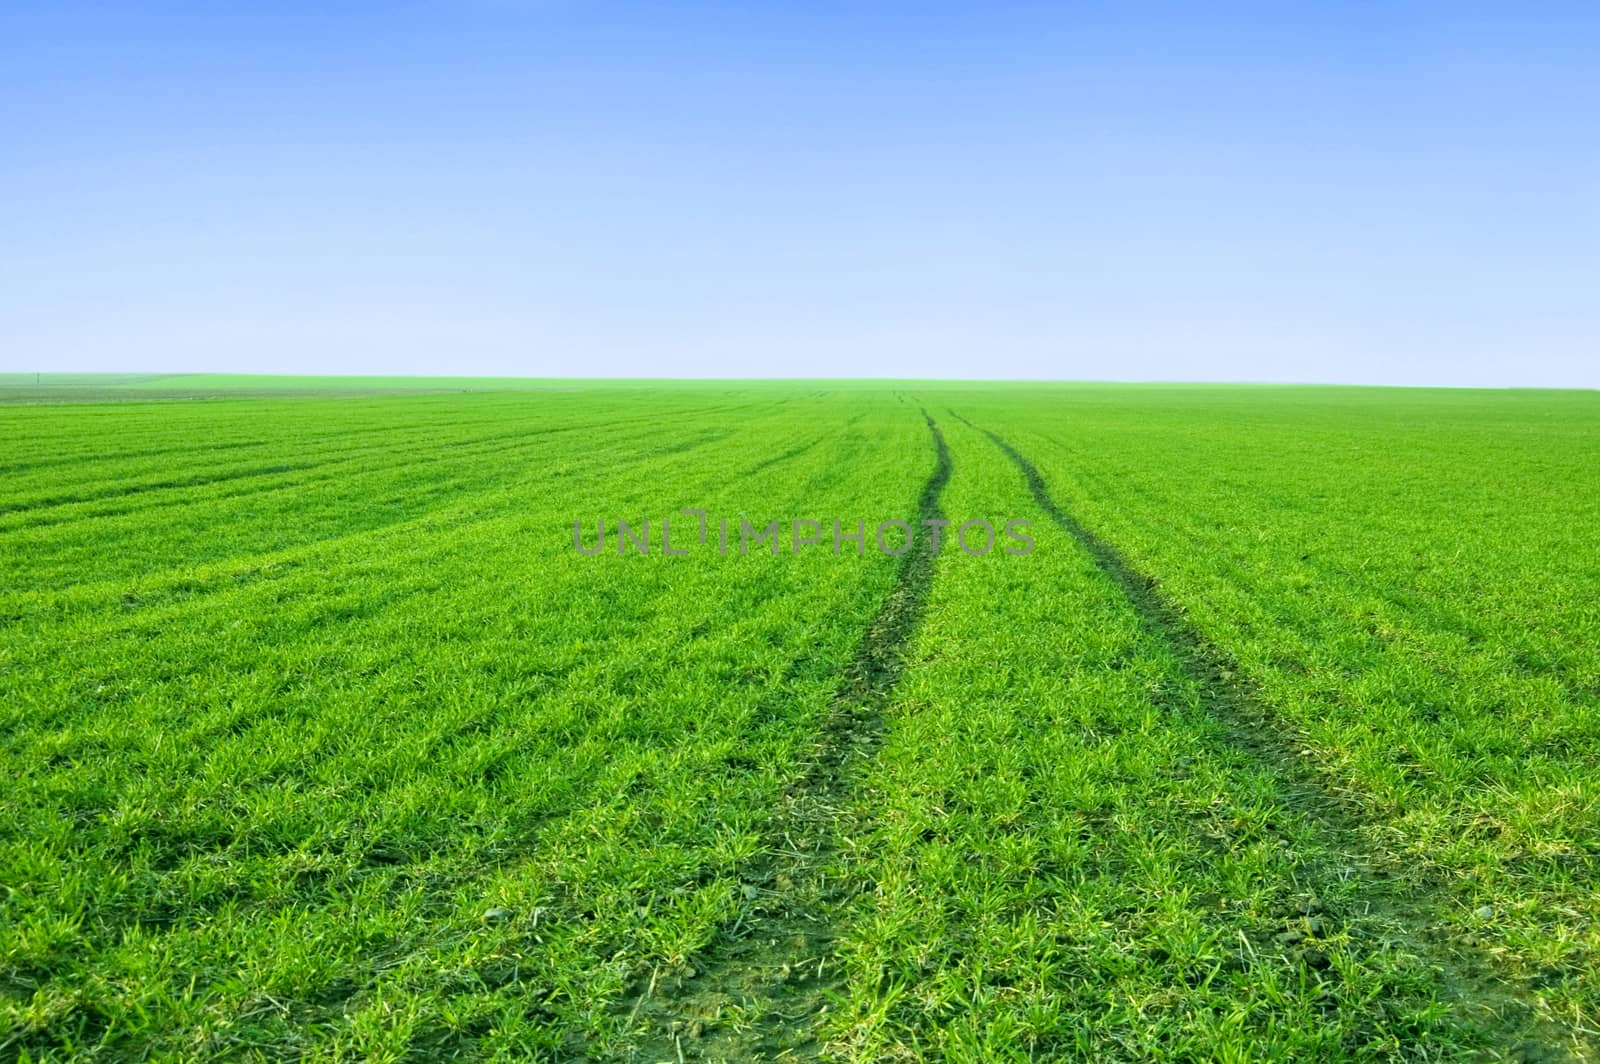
{"type": "Point", "coordinates": [324, 739]}
{"type": "Point", "coordinates": [111, 387]}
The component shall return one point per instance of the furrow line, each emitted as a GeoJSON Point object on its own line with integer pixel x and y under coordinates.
{"type": "Point", "coordinates": [1396, 919]}
{"type": "Point", "coordinates": [770, 977]}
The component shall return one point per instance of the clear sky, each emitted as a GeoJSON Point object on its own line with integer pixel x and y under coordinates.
{"type": "Point", "coordinates": [1362, 192]}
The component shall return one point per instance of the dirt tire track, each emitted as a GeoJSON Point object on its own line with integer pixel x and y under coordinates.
{"type": "Point", "coordinates": [755, 992]}
{"type": "Point", "coordinates": [1468, 978]}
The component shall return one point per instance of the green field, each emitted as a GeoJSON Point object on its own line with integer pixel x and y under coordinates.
{"type": "Point", "coordinates": [322, 740]}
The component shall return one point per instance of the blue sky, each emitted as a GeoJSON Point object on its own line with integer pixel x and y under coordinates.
{"type": "Point", "coordinates": [1384, 193]}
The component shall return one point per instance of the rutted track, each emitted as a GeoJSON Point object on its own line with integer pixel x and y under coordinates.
{"type": "Point", "coordinates": [1396, 919]}
{"type": "Point", "coordinates": [773, 968]}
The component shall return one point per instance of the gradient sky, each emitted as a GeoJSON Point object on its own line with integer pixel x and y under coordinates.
{"type": "Point", "coordinates": [1385, 193]}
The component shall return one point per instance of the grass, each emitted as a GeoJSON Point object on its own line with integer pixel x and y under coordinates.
{"type": "Point", "coordinates": [323, 742]}
{"type": "Point", "coordinates": [1407, 587]}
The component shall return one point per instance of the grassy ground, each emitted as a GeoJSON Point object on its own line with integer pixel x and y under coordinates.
{"type": "Point", "coordinates": [323, 741]}
{"type": "Point", "coordinates": [1407, 582]}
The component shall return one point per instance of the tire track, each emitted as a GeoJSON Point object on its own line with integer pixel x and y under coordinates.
{"type": "Point", "coordinates": [769, 974]}
{"type": "Point", "coordinates": [1466, 977]}
{"type": "Point", "coordinates": [778, 459]}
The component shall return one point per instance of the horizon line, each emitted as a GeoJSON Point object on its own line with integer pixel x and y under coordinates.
{"type": "Point", "coordinates": [147, 376]}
